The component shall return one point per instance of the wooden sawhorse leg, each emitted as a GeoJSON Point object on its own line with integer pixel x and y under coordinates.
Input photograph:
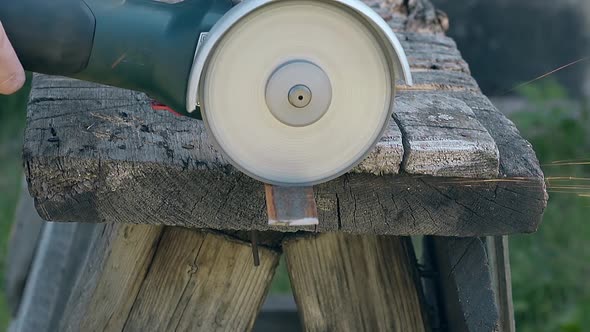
{"type": "Point", "coordinates": [150, 278]}
{"type": "Point", "coordinates": [345, 282]}
{"type": "Point", "coordinates": [473, 278]}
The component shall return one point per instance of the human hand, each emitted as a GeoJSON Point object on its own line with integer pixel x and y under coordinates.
{"type": "Point", "coordinates": [12, 75]}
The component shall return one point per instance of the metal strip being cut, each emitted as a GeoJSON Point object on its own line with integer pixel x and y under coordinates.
{"type": "Point", "coordinates": [291, 206]}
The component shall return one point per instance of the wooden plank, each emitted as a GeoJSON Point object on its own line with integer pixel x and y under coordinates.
{"type": "Point", "coordinates": [22, 245]}
{"type": "Point", "coordinates": [202, 281]}
{"type": "Point", "coordinates": [355, 283]}
{"type": "Point", "coordinates": [498, 253]}
{"type": "Point", "coordinates": [61, 250]}
{"type": "Point", "coordinates": [110, 279]}
{"type": "Point", "coordinates": [442, 137]}
{"type": "Point", "coordinates": [123, 162]}
{"type": "Point", "coordinates": [466, 286]}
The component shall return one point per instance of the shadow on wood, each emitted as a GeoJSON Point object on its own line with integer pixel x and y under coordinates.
{"type": "Point", "coordinates": [466, 290]}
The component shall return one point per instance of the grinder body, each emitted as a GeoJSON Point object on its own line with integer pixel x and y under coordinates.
{"type": "Point", "coordinates": [141, 45]}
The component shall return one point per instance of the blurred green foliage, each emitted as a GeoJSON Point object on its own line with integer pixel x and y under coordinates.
{"type": "Point", "coordinates": [551, 268]}
{"type": "Point", "coordinates": [12, 120]}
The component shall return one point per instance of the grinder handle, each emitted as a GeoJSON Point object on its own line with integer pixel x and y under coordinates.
{"type": "Point", "coordinates": [52, 37]}
{"type": "Point", "coordinates": [142, 45]}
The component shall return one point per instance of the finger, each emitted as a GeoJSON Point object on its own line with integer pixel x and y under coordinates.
{"type": "Point", "coordinates": [12, 75]}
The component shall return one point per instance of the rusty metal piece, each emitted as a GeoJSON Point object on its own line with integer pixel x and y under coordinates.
{"type": "Point", "coordinates": [291, 206]}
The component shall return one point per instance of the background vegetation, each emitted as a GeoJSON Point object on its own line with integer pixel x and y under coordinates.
{"type": "Point", "coordinates": [12, 120]}
{"type": "Point", "coordinates": [551, 268]}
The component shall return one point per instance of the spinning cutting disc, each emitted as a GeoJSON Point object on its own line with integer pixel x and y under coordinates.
{"type": "Point", "coordinates": [297, 92]}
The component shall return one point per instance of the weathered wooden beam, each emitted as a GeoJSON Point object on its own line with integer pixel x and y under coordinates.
{"type": "Point", "coordinates": [467, 293]}
{"type": "Point", "coordinates": [355, 283]}
{"type": "Point", "coordinates": [104, 155]}
{"type": "Point", "coordinates": [110, 279]}
{"type": "Point", "coordinates": [200, 281]}
{"type": "Point", "coordinates": [442, 137]}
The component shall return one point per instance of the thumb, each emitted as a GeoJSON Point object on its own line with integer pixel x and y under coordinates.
{"type": "Point", "coordinates": [12, 75]}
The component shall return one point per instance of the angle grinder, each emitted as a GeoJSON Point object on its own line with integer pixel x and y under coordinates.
{"type": "Point", "coordinates": [293, 92]}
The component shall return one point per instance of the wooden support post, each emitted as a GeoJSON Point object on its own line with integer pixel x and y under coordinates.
{"type": "Point", "coordinates": [499, 256]}
{"type": "Point", "coordinates": [202, 281]}
{"type": "Point", "coordinates": [465, 284]}
{"type": "Point", "coordinates": [146, 278]}
{"type": "Point", "coordinates": [110, 279]}
{"type": "Point", "coordinates": [345, 282]}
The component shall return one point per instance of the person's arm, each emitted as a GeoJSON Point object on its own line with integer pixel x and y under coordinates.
{"type": "Point", "coordinates": [12, 75]}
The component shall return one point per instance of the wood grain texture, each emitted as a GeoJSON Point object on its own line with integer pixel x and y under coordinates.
{"type": "Point", "coordinates": [201, 281]}
{"type": "Point", "coordinates": [442, 137]}
{"type": "Point", "coordinates": [498, 253]}
{"type": "Point", "coordinates": [127, 163]}
{"type": "Point", "coordinates": [355, 283]}
{"type": "Point", "coordinates": [466, 286]}
{"type": "Point", "coordinates": [26, 231]}
{"type": "Point", "coordinates": [110, 279]}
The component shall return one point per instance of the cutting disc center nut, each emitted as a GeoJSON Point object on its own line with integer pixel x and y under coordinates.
{"type": "Point", "coordinates": [298, 93]}
{"type": "Point", "coordinates": [300, 96]}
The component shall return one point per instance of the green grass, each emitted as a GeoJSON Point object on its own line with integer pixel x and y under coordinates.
{"type": "Point", "coordinates": [281, 283]}
{"type": "Point", "coordinates": [12, 116]}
